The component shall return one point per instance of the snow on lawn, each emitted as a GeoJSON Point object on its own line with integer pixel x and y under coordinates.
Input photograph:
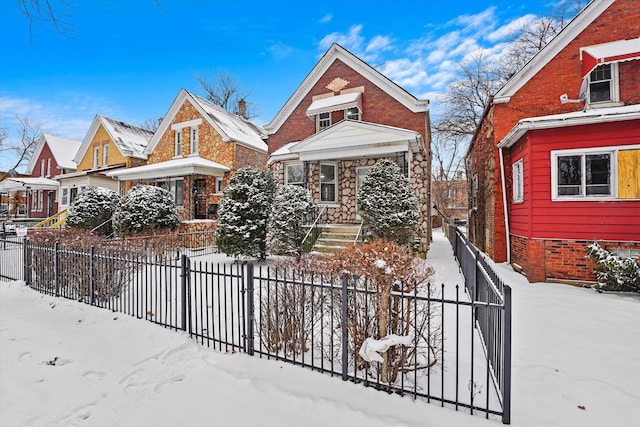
{"type": "Point", "coordinates": [576, 362]}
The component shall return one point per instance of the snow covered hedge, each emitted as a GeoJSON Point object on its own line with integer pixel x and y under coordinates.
{"type": "Point", "coordinates": [244, 214]}
{"type": "Point", "coordinates": [145, 208]}
{"type": "Point", "coordinates": [93, 208]}
{"type": "Point", "coordinates": [291, 206]}
{"type": "Point", "coordinates": [615, 273]}
{"type": "Point", "coordinates": [387, 204]}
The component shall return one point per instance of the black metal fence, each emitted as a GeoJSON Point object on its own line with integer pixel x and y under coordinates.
{"type": "Point", "coordinates": [443, 344]}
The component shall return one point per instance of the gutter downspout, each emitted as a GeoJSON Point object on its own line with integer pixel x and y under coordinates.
{"type": "Point", "coordinates": [505, 207]}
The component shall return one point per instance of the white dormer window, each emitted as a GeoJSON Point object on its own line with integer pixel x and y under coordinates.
{"type": "Point", "coordinates": [352, 113]}
{"type": "Point", "coordinates": [603, 84]}
{"type": "Point", "coordinates": [105, 155]}
{"type": "Point", "coordinates": [194, 140]}
{"type": "Point", "coordinates": [96, 157]}
{"type": "Point", "coordinates": [323, 121]}
{"type": "Point", "coordinates": [178, 143]}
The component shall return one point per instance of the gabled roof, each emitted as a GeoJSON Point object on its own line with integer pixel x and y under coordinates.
{"type": "Point", "coordinates": [575, 118]}
{"type": "Point", "coordinates": [231, 127]}
{"type": "Point", "coordinates": [337, 52]}
{"type": "Point", "coordinates": [553, 48]}
{"type": "Point", "coordinates": [62, 149]}
{"type": "Point", "coordinates": [355, 139]}
{"type": "Point", "coordinates": [129, 139]}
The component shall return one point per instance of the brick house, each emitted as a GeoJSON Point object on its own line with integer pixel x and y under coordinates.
{"type": "Point", "coordinates": [342, 119]}
{"type": "Point", "coordinates": [558, 145]}
{"type": "Point", "coordinates": [109, 145]}
{"type": "Point", "coordinates": [51, 159]}
{"type": "Point", "coordinates": [194, 152]}
{"type": "Point", "coordinates": [451, 196]}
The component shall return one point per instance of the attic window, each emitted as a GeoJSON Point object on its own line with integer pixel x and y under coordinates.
{"type": "Point", "coordinates": [352, 113]}
{"type": "Point", "coordinates": [323, 121]}
{"type": "Point", "coordinates": [178, 143]}
{"type": "Point", "coordinates": [603, 84]}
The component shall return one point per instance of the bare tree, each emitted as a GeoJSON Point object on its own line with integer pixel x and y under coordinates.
{"type": "Point", "coordinates": [43, 12]}
{"type": "Point", "coordinates": [20, 148]}
{"type": "Point", "coordinates": [224, 90]}
{"type": "Point", "coordinates": [151, 124]}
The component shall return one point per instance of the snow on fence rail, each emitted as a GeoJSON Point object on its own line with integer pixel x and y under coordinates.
{"type": "Point", "coordinates": [457, 338]}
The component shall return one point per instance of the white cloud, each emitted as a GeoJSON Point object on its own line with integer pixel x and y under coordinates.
{"type": "Point", "coordinates": [351, 41]}
{"type": "Point", "coordinates": [484, 19]}
{"type": "Point", "coordinates": [378, 43]}
{"type": "Point", "coordinates": [326, 18]}
{"type": "Point", "coordinates": [511, 28]}
{"type": "Point", "coordinates": [279, 50]}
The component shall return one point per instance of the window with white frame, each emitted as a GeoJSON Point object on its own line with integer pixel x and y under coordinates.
{"type": "Point", "coordinates": [603, 84]}
{"type": "Point", "coordinates": [48, 167]}
{"type": "Point", "coordinates": [352, 113]}
{"type": "Point", "coordinates": [328, 183]}
{"type": "Point", "coordinates": [64, 196]}
{"type": "Point", "coordinates": [580, 174]}
{"type": "Point", "coordinates": [178, 143]}
{"type": "Point", "coordinates": [96, 157]}
{"type": "Point", "coordinates": [518, 181]}
{"type": "Point", "coordinates": [219, 184]}
{"type": "Point", "coordinates": [40, 200]}
{"type": "Point", "coordinates": [194, 140]}
{"type": "Point", "coordinates": [34, 200]}
{"type": "Point", "coordinates": [105, 155]}
{"type": "Point", "coordinates": [42, 167]}
{"type": "Point", "coordinates": [294, 174]}
{"type": "Point", "coordinates": [175, 187]}
{"type": "Point", "coordinates": [324, 121]}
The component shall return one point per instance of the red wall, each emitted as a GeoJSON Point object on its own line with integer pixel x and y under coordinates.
{"type": "Point", "coordinates": [45, 154]}
{"type": "Point", "coordinates": [377, 106]}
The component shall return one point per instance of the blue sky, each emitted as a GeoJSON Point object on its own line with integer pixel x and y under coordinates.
{"type": "Point", "coordinates": [128, 59]}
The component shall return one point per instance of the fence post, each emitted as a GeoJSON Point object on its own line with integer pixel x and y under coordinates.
{"type": "Point", "coordinates": [250, 309]}
{"type": "Point", "coordinates": [25, 261]}
{"type": "Point", "coordinates": [506, 392]}
{"type": "Point", "coordinates": [184, 284]}
{"type": "Point", "coordinates": [92, 275]}
{"type": "Point", "coordinates": [56, 273]}
{"type": "Point", "coordinates": [345, 331]}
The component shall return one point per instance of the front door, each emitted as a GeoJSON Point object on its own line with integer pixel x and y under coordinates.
{"type": "Point", "coordinates": [50, 203]}
{"type": "Point", "coordinates": [361, 172]}
{"type": "Point", "coordinates": [200, 199]}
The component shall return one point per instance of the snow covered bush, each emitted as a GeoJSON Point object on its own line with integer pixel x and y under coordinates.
{"type": "Point", "coordinates": [387, 204]}
{"type": "Point", "coordinates": [614, 273]}
{"type": "Point", "coordinates": [291, 206]}
{"type": "Point", "coordinates": [244, 214]}
{"type": "Point", "coordinates": [145, 208]}
{"type": "Point", "coordinates": [93, 208]}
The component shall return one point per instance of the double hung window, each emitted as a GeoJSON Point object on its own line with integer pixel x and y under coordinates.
{"type": "Point", "coordinates": [324, 121]}
{"type": "Point", "coordinates": [518, 181]}
{"type": "Point", "coordinates": [328, 183]}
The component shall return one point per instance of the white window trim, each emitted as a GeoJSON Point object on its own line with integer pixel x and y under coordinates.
{"type": "Point", "coordinates": [219, 189]}
{"type": "Point", "coordinates": [64, 196]}
{"type": "Point", "coordinates": [318, 122]}
{"type": "Point", "coordinates": [286, 173]}
{"type": "Point", "coordinates": [48, 167]}
{"type": "Point", "coordinates": [187, 124]}
{"type": "Point", "coordinates": [518, 181]}
{"type": "Point", "coordinates": [42, 167]}
{"type": "Point", "coordinates": [359, 113]}
{"type": "Point", "coordinates": [105, 155]}
{"type": "Point", "coordinates": [40, 200]}
{"type": "Point", "coordinates": [177, 143]}
{"type": "Point", "coordinates": [613, 151]}
{"type": "Point", "coordinates": [615, 89]}
{"type": "Point", "coordinates": [194, 135]}
{"type": "Point", "coordinates": [335, 184]}
{"type": "Point", "coordinates": [96, 157]}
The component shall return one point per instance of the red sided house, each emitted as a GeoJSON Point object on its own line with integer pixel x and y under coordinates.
{"type": "Point", "coordinates": [51, 159]}
{"type": "Point", "coordinates": [342, 119]}
{"type": "Point", "coordinates": [194, 152]}
{"type": "Point", "coordinates": [559, 147]}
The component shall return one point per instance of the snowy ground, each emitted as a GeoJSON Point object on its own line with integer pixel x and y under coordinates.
{"type": "Point", "coordinates": [576, 362]}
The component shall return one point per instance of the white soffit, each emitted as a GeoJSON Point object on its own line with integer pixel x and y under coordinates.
{"type": "Point", "coordinates": [172, 168]}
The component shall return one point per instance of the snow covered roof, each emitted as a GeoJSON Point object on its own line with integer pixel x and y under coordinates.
{"type": "Point", "coordinates": [22, 184]}
{"type": "Point", "coordinates": [355, 139]}
{"type": "Point", "coordinates": [283, 153]}
{"type": "Point", "coordinates": [63, 150]}
{"type": "Point", "coordinates": [183, 166]}
{"type": "Point", "coordinates": [129, 139]}
{"type": "Point", "coordinates": [231, 127]}
{"type": "Point", "coordinates": [592, 116]}
{"type": "Point", "coordinates": [335, 53]}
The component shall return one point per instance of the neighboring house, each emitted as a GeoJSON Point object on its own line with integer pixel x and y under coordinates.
{"type": "Point", "coordinates": [109, 145]}
{"type": "Point", "coordinates": [451, 196]}
{"type": "Point", "coordinates": [342, 119]}
{"type": "Point", "coordinates": [52, 158]}
{"type": "Point", "coordinates": [565, 167]}
{"type": "Point", "coordinates": [194, 152]}
{"type": "Point", "coordinates": [13, 197]}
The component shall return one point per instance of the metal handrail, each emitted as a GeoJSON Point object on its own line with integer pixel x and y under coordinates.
{"type": "Point", "coordinates": [314, 226]}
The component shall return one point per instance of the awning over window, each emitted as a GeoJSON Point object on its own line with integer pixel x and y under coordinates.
{"type": "Point", "coordinates": [184, 166]}
{"type": "Point", "coordinates": [334, 103]}
{"type": "Point", "coordinates": [28, 183]}
{"type": "Point", "coordinates": [606, 53]}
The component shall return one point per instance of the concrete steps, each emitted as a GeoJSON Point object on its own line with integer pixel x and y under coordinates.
{"type": "Point", "coordinates": [335, 237]}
